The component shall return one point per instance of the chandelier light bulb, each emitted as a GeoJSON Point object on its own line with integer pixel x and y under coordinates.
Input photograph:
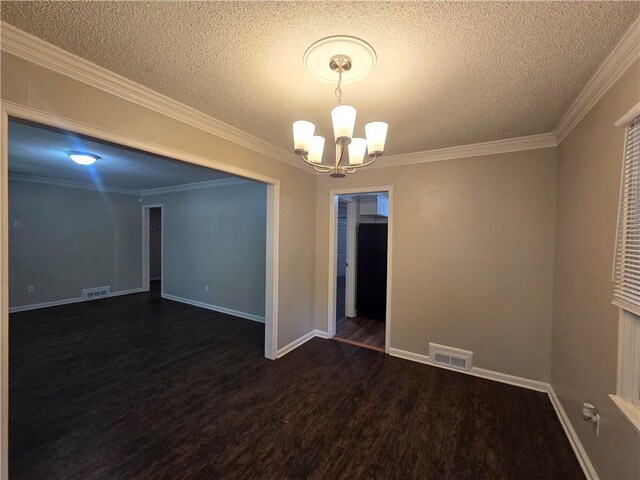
{"type": "Point", "coordinates": [316, 146]}
{"type": "Point", "coordinates": [357, 149]}
{"type": "Point", "coordinates": [302, 133]}
{"type": "Point", "coordinates": [376, 133]}
{"type": "Point", "coordinates": [344, 120]}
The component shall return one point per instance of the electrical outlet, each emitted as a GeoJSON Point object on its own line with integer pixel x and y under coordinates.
{"type": "Point", "coordinates": [16, 224]}
{"type": "Point", "coordinates": [206, 288]}
{"type": "Point", "coordinates": [31, 289]}
{"type": "Point", "coordinates": [590, 414]}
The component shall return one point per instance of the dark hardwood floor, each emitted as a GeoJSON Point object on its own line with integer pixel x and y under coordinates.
{"type": "Point", "coordinates": [361, 331]}
{"type": "Point", "coordinates": [138, 387]}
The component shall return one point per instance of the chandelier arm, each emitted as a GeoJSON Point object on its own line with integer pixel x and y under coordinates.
{"type": "Point", "coordinates": [354, 167]}
{"type": "Point", "coordinates": [350, 170]}
{"type": "Point", "coordinates": [317, 168]}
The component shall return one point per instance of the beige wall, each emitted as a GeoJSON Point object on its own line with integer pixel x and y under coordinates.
{"type": "Point", "coordinates": [27, 84]}
{"type": "Point", "coordinates": [585, 327]}
{"type": "Point", "coordinates": [472, 256]}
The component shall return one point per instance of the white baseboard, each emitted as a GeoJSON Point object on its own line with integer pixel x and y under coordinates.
{"type": "Point", "coordinates": [66, 301]}
{"type": "Point", "coordinates": [125, 292]}
{"type": "Point", "coordinates": [215, 308]}
{"type": "Point", "coordinates": [296, 343]}
{"type": "Point", "coordinates": [414, 357]}
{"type": "Point", "coordinates": [578, 449]}
{"type": "Point", "coordinates": [475, 371]}
{"type": "Point", "coordinates": [321, 334]}
{"type": "Point", "coordinates": [305, 338]}
{"type": "Point", "coordinates": [574, 440]}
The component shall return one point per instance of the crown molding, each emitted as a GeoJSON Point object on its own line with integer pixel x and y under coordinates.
{"type": "Point", "coordinates": [19, 177]}
{"type": "Point", "coordinates": [221, 182]}
{"type": "Point", "coordinates": [615, 65]}
{"type": "Point", "coordinates": [37, 51]}
{"type": "Point", "coordinates": [517, 144]}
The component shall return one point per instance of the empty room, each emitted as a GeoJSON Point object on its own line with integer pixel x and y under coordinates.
{"type": "Point", "coordinates": [320, 240]}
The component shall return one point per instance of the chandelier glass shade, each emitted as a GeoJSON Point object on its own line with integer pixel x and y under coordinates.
{"type": "Point", "coordinates": [310, 147]}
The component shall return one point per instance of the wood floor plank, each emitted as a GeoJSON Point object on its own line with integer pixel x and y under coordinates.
{"type": "Point", "coordinates": [362, 331]}
{"type": "Point", "coordinates": [138, 387]}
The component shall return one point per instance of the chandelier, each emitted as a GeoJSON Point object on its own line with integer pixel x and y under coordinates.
{"type": "Point", "coordinates": [356, 61]}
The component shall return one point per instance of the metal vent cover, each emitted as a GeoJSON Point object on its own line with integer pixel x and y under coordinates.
{"type": "Point", "coordinates": [96, 292]}
{"type": "Point", "coordinates": [451, 357]}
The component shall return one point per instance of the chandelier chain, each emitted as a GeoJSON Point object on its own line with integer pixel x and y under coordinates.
{"type": "Point", "coordinates": [338, 90]}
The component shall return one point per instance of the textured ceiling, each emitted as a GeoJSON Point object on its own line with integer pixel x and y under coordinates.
{"type": "Point", "coordinates": [42, 152]}
{"type": "Point", "coordinates": [447, 74]}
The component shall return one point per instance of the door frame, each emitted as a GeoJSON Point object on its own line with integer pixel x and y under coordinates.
{"type": "Point", "coordinates": [146, 245]}
{"type": "Point", "coordinates": [352, 260]}
{"type": "Point", "coordinates": [333, 261]}
{"type": "Point", "coordinates": [18, 111]}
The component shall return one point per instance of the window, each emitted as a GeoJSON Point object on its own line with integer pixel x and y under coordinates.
{"type": "Point", "coordinates": [627, 273]}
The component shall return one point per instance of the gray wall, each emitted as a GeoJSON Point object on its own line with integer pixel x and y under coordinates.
{"type": "Point", "coordinates": [70, 239]}
{"type": "Point", "coordinates": [155, 243]}
{"type": "Point", "coordinates": [585, 323]}
{"type": "Point", "coordinates": [216, 237]}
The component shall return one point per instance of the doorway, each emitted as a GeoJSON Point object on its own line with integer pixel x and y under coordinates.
{"type": "Point", "coordinates": [360, 267]}
{"type": "Point", "coordinates": [152, 248]}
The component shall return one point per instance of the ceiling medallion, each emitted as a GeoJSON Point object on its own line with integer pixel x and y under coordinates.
{"type": "Point", "coordinates": [340, 59]}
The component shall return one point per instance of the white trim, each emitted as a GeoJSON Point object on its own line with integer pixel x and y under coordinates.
{"type": "Point", "coordinates": [215, 308]}
{"type": "Point", "coordinates": [37, 51]}
{"type": "Point", "coordinates": [66, 301]}
{"type": "Point", "coordinates": [4, 296]}
{"type": "Point", "coordinates": [574, 440]}
{"type": "Point", "coordinates": [272, 270]}
{"type": "Point", "coordinates": [303, 339]}
{"type": "Point", "coordinates": [17, 110]}
{"type": "Point", "coordinates": [321, 334]}
{"type": "Point", "coordinates": [19, 177]}
{"type": "Point", "coordinates": [296, 343]}
{"type": "Point", "coordinates": [630, 115]}
{"type": "Point", "coordinates": [517, 144]}
{"type": "Point", "coordinates": [629, 411]}
{"type": "Point", "coordinates": [333, 263]}
{"type": "Point", "coordinates": [475, 371]}
{"type": "Point", "coordinates": [390, 221]}
{"type": "Point", "coordinates": [333, 241]}
{"type": "Point", "coordinates": [615, 65]}
{"type": "Point", "coordinates": [414, 357]}
{"type": "Point", "coordinates": [352, 262]}
{"type": "Point", "coordinates": [221, 182]}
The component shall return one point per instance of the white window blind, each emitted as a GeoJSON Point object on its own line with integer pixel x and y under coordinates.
{"type": "Point", "coordinates": [627, 258]}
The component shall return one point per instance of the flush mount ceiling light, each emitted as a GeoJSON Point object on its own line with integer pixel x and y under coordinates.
{"type": "Point", "coordinates": [83, 158]}
{"type": "Point", "coordinates": [342, 59]}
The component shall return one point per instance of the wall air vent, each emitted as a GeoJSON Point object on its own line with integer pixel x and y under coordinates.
{"type": "Point", "coordinates": [96, 292]}
{"type": "Point", "coordinates": [450, 357]}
